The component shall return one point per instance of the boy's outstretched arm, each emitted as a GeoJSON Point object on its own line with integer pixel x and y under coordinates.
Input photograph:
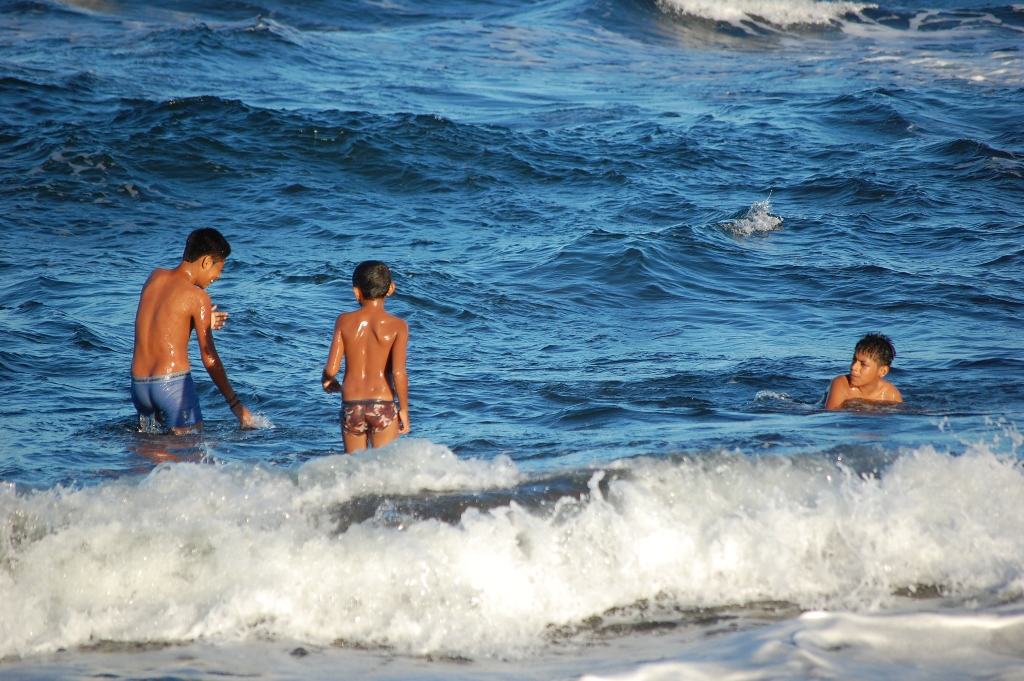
{"type": "Point", "coordinates": [329, 378]}
{"type": "Point", "coordinates": [838, 392]}
{"type": "Point", "coordinates": [401, 379]}
{"type": "Point", "coordinates": [203, 320]}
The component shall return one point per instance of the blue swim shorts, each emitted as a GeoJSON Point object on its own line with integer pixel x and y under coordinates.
{"type": "Point", "coordinates": [171, 398]}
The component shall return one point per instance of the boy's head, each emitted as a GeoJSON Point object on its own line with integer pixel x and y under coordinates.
{"type": "Point", "coordinates": [206, 241]}
{"type": "Point", "coordinates": [373, 279]}
{"type": "Point", "coordinates": [878, 347]}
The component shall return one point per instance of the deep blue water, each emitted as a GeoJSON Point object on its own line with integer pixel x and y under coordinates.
{"type": "Point", "coordinates": [623, 233]}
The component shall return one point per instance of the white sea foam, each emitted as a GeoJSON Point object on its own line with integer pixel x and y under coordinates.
{"type": "Point", "coordinates": [782, 13]}
{"type": "Point", "coordinates": [771, 395]}
{"type": "Point", "coordinates": [231, 553]}
{"type": "Point", "coordinates": [757, 220]}
{"type": "Point", "coordinates": [261, 421]}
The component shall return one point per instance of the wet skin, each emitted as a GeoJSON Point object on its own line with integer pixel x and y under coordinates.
{"type": "Point", "coordinates": [866, 381]}
{"type": "Point", "coordinates": [373, 345]}
{"type": "Point", "coordinates": [172, 304]}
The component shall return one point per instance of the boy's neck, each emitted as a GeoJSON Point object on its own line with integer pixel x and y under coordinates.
{"type": "Point", "coordinates": [872, 387]}
{"type": "Point", "coordinates": [187, 270]}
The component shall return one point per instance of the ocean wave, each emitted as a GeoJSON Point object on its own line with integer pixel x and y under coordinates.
{"type": "Point", "coordinates": [233, 553]}
{"type": "Point", "coordinates": [784, 13]}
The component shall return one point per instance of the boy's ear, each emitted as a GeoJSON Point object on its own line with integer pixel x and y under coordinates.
{"type": "Point", "coordinates": [206, 262]}
{"type": "Point", "coordinates": [391, 289]}
{"type": "Point", "coordinates": [358, 294]}
{"type": "Point", "coordinates": [882, 371]}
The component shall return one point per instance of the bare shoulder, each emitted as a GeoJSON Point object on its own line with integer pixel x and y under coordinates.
{"type": "Point", "coordinates": [841, 382]}
{"type": "Point", "coordinates": [163, 288]}
{"type": "Point", "coordinates": [184, 290]}
{"type": "Point", "coordinates": [890, 393]}
{"type": "Point", "coordinates": [838, 392]}
{"type": "Point", "coordinates": [156, 278]}
{"type": "Point", "coordinates": [347, 319]}
{"type": "Point", "coordinates": [179, 295]}
{"type": "Point", "coordinates": [397, 322]}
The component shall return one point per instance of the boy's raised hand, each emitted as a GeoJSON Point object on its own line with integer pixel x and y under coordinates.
{"type": "Point", "coordinates": [218, 318]}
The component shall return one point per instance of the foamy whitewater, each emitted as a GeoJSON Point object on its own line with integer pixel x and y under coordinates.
{"type": "Point", "coordinates": [159, 558]}
{"type": "Point", "coordinates": [784, 13]}
{"type": "Point", "coordinates": [634, 241]}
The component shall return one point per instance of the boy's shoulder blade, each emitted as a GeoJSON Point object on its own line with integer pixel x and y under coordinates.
{"type": "Point", "coordinates": [171, 288]}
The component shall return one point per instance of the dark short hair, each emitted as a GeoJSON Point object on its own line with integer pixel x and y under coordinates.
{"type": "Point", "coordinates": [372, 278]}
{"type": "Point", "coordinates": [877, 346]}
{"type": "Point", "coordinates": [206, 241]}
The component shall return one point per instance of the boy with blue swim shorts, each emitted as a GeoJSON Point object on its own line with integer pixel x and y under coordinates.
{"type": "Point", "coordinates": [372, 343]}
{"type": "Point", "coordinates": [172, 303]}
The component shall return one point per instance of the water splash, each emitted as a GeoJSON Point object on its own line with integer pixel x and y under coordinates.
{"type": "Point", "coordinates": [757, 220]}
{"type": "Point", "coordinates": [234, 553]}
{"type": "Point", "coordinates": [261, 421]}
{"type": "Point", "coordinates": [770, 395]}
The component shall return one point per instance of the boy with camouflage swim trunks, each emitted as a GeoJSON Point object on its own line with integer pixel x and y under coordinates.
{"type": "Point", "coordinates": [373, 344]}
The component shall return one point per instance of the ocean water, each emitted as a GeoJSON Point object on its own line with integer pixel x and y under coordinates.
{"type": "Point", "coordinates": [634, 241]}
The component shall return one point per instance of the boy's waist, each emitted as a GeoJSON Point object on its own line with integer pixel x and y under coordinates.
{"type": "Point", "coordinates": [161, 378]}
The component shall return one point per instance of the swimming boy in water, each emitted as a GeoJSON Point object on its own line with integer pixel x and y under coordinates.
{"type": "Point", "coordinates": [373, 344]}
{"type": "Point", "coordinates": [172, 303]}
{"type": "Point", "coordinates": [872, 358]}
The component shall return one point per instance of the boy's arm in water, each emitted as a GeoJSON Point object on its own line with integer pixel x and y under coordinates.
{"type": "Point", "coordinates": [205, 319]}
{"type": "Point", "coordinates": [838, 392]}
{"type": "Point", "coordinates": [398, 375]}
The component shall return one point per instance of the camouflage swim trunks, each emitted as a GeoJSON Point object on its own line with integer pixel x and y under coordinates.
{"type": "Point", "coordinates": [360, 417]}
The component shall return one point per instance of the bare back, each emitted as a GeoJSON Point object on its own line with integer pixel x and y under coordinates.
{"type": "Point", "coordinates": [168, 308]}
{"type": "Point", "coordinates": [373, 344]}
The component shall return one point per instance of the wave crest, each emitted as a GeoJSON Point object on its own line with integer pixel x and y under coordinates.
{"type": "Point", "coordinates": [784, 13]}
{"type": "Point", "coordinates": [227, 553]}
